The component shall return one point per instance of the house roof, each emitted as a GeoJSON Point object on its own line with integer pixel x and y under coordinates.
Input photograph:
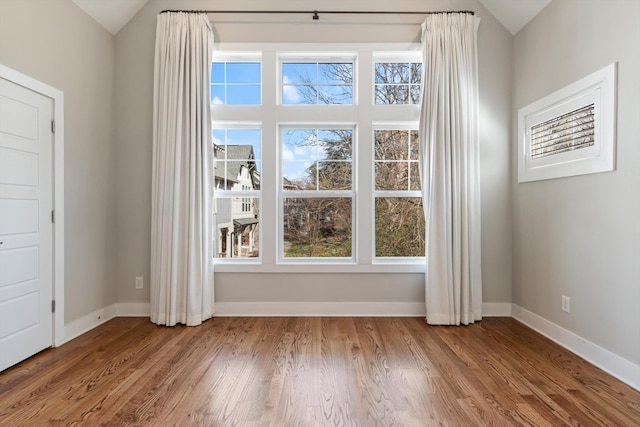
{"type": "Point", "coordinates": [237, 156]}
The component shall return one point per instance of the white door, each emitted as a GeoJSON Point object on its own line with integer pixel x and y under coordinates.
{"type": "Point", "coordinates": [26, 319]}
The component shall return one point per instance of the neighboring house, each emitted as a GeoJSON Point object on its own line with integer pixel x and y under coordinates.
{"type": "Point", "coordinates": [236, 217]}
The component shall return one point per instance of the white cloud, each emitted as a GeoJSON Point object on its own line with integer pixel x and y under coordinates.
{"type": "Point", "coordinates": [287, 155]}
{"type": "Point", "coordinates": [290, 93]}
{"type": "Point", "coordinates": [217, 101]}
{"type": "Point", "coordinates": [294, 171]}
{"type": "Point", "coordinates": [301, 150]}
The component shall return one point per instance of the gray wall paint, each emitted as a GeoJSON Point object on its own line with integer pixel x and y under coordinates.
{"type": "Point", "coordinates": [57, 43]}
{"type": "Point", "coordinates": [580, 236]}
{"type": "Point", "coordinates": [134, 89]}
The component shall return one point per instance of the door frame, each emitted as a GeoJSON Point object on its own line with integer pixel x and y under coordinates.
{"type": "Point", "coordinates": [57, 251]}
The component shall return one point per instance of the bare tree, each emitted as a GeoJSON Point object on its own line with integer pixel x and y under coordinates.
{"type": "Point", "coordinates": [322, 226]}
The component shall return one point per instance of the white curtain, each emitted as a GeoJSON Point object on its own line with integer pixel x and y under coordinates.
{"type": "Point", "coordinates": [181, 279]}
{"type": "Point", "coordinates": [449, 168]}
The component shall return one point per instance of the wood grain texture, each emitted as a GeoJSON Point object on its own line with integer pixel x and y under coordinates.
{"type": "Point", "coordinates": [313, 372]}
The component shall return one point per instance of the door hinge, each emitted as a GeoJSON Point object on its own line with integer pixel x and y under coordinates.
{"type": "Point", "coordinates": [53, 306]}
{"type": "Point", "coordinates": [53, 217]}
{"type": "Point", "coordinates": [53, 126]}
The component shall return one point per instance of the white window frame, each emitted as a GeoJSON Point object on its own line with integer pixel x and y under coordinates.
{"type": "Point", "coordinates": [408, 126]}
{"type": "Point", "coordinates": [598, 88]}
{"type": "Point", "coordinates": [313, 194]}
{"type": "Point", "coordinates": [310, 57]}
{"type": "Point", "coordinates": [273, 115]}
{"type": "Point", "coordinates": [248, 56]}
{"type": "Point", "coordinates": [240, 194]}
{"type": "Point", "coordinates": [393, 57]}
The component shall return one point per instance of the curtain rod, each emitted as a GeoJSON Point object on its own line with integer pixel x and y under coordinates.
{"type": "Point", "coordinates": [316, 13]}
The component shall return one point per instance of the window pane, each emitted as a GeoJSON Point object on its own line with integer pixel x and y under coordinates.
{"type": "Point", "coordinates": [390, 72]}
{"type": "Point", "coordinates": [391, 144]}
{"type": "Point", "coordinates": [334, 176]}
{"type": "Point", "coordinates": [300, 145]}
{"type": "Point", "coordinates": [392, 94]}
{"type": "Point", "coordinates": [217, 94]}
{"type": "Point", "coordinates": [415, 94]}
{"type": "Point", "coordinates": [416, 72]}
{"type": "Point", "coordinates": [335, 144]}
{"type": "Point", "coordinates": [414, 176]}
{"type": "Point", "coordinates": [243, 95]}
{"type": "Point", "coordinates": [335, 94]}
{"type": "Point", "coordinates": [400, 230]}
{"type": "Point", "coordinates": [317, 227]}
{"type": "Point", "coordinates": [237, 225]}
{"type": "Point", "coordinates": [291, 95]}
{"type": "Point", "coordinates": [296, 176]}
{"type": "Point", "coordinates": [413, 143]}
{"type": "Point", "coordinates": [243, 72]}
{"type": "Point", "coordinates": [300, 73]}
{"type": "Point", "coordinates": [217, 72]}
{"type": "Point", "coordinates": [392, 176]}
{"type": "Point", "coordinates": [335, 73]}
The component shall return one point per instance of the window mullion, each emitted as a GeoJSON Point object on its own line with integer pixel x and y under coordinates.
{"type": "Point", "coordinates": [269, 157]}
{"type": "Point", "coordinates": [365, 226]}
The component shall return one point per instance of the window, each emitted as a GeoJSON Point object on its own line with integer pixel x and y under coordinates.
{"type": "Point", "coordinates": [235, 83]}
{"type": "Point", "coordinates": [397, 82]}
{"type": "Point", "coordinates": [399, 218]}
{"type": "Point", "coordinates": [328, 173]}
{"type": "Point", "coordinates": [237, 192]}
{"type": "Point", "coordinates": [317, 196]}
{"type": "Point", "coordinates": [570, 132]}
{"type": "Point", "coordinates": [317, 82]}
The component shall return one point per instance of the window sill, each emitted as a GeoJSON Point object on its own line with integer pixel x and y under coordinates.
{"type": "Point", "coordinates": [248, 267]}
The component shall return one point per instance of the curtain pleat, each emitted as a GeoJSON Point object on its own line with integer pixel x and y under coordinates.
{"type": "Point", "coordinates": [181, 279]}
{"type": "Point", "coordinates": [449, 169]}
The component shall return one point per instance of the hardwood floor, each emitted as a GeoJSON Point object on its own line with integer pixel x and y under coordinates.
{"type": "Point", "coordinates": [312, 372]}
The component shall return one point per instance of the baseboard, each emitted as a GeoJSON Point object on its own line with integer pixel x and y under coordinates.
{"type": "Point", "coordinates": [133, 309]}
{"type": "Point", "coordinates": [617, 366]}
{"type": "Point", "coordinates": [496, 309]}
{"type": "Point", "coordinates": [85, 323]}
{"type": "Point", "coordinates": [341, 309]}
{"type": "Point", "coordinates": [315, 309]}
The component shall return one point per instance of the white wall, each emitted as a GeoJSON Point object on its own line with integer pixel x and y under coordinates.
{"type": "Point", "coordinates": [57, 43]}
{"type": "Point", "coordinates": [134, 88]}
{"type": "Point", "coordinates": [580, 236]}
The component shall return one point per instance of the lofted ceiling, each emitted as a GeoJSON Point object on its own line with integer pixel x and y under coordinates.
{"type": "Point", "coordinates": [114, 14]}
{"type": "Point", "coordinates": [111, 14]}
{"type": "Point", "coordinates": [514, 14]}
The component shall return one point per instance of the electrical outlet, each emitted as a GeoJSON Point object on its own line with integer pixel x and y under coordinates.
{"type": "Point", "coordinates": [139, 282]}
{"type": "Point", "coordinates": [566, 304]}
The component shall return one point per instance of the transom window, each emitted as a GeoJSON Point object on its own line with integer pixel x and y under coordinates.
{"type": "Point", "coordinates": [397, 82]}
{"type": "Point", "coordinates": [317, 82]}
{"type": "Point", "coordinates": [235, 83]}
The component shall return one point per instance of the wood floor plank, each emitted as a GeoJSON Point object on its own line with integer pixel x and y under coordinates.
{"type": "Point", "coordinates": [312, 372]}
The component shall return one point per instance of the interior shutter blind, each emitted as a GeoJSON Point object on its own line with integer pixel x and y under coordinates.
{"type": "Point", "coordinates": [570, 131]}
